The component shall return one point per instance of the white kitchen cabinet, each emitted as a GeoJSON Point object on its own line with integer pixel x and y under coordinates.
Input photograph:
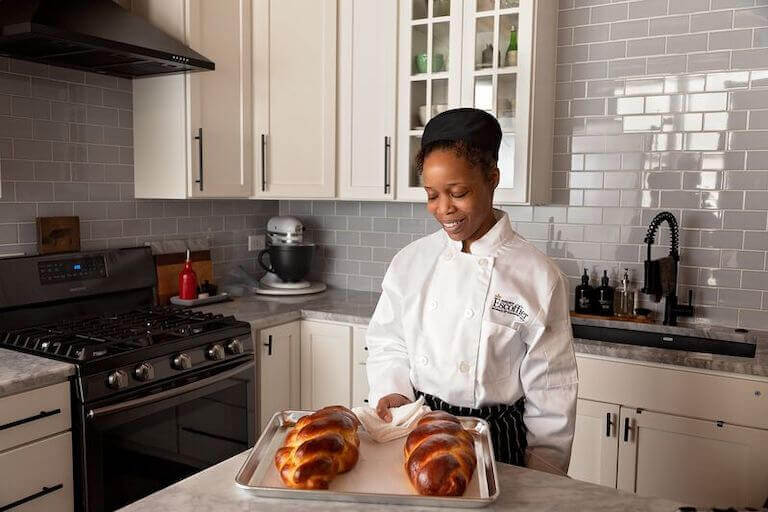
{"type": "Point", "coordinates": [326, 357]}
{"type": "Point", "coordinates": [294, 98]}
{"type": "Point", "coordinates": [359, 370]}
{"type": "Point", "coordinates": [367, 71]}
{"type": "Point", "coordinates": [280, 370]}
{"type": "Point", "coordinates": [595, 443]}
{"type": "Point", "coordinates": [453, 54]}
{"type": "Point", "coordinates": [192, 132]}
{"type": "Point", "coordinates": [36, 450]}
{"type": "Point", "coordinates": [705, 463]}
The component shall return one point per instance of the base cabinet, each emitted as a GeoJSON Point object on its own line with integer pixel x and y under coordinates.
{"type": "Point", "coordinates": [326, 354]}
{"type": "Point", "coordinates": [280, 377]}
{"type": "Point", "coordinates": [704, 463]}
{"type": "Point", "coordinates": [595, 443]}
{"type": "Point", "coordinates": [359, 370]}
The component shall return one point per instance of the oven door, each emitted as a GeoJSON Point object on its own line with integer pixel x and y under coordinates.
{"type": "Point", "coordinates": [143, 443]}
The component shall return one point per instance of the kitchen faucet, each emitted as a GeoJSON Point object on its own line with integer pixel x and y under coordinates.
{"type": "Point", "coordinates": [665, 270]}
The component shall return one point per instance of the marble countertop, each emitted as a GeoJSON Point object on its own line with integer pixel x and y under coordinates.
{"type": "Point", "coordinates": [522, 490]}
{"type": "Point", "coordinates": [357, 307]}
{"type": "Point", "coordinates": [23, 372]}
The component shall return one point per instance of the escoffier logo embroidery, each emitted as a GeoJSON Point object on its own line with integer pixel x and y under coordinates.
{"type": "Point", "coordinates": [509, 307]}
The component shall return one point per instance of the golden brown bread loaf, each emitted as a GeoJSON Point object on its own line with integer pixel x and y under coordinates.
{"type": "Point", "coordinates": [320, 446]}
{"type": "Point", "coordinates": [440, 455]}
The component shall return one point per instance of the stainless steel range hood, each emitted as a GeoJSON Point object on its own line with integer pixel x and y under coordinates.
{"type": "Point", "coordinates": [92, 35]}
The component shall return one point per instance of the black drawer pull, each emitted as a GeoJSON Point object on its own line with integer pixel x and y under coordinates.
{"type": "Point", "coordinates": [626, 429]}
{"type": "Point", "coordinates": [40, 494]}
{"type": "Point", "coordinates": [608, 424]}
{"type": "Point", "coordinates": [365, 400]}
{"type": "Point", "coordinates": [269, 345]}
{"type": "Point", "coordinates": [43, 414]}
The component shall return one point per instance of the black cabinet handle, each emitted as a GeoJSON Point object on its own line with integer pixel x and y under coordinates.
{"type": "Point", "coordinates": [608, 424]}
{"type": "Point", "coordinates": [626, 429]}
{"type": "Point", "coordinates": [365, 400]}
{"type": "Point", "coordinates": [43, 414]}
{"type": "Point", "coordinates": [40, 494]}
{"type": "Point", "coordinates": [263, 162]}
{"type": "Point", "coordinates": [387, 157]}
{"type": "Point", "coordinates": [199, 137]}
{"type": "Point", "coordinates": [269, 345]}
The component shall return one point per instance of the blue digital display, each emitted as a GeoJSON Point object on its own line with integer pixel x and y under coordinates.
{"type": "Point", "coordinates": [76, 266]}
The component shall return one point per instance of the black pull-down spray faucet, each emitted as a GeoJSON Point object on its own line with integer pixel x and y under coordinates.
{"type": "Point", "coordinates": [661, 275]}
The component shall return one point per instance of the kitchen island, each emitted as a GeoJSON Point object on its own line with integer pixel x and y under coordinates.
{"type": "Point", "coordinates": [522, 490]}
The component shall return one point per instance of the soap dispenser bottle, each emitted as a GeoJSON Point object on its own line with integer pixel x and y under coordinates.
{"type": "Point", "coordinates": [624, 299]}
{"type": "Point", "coordinates": [604, 296]}
{"type": "Point", "coordinates": [584, 294]}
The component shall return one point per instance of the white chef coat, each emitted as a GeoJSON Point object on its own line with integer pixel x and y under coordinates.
{"type": "Point", "coordinates": [481, 328]}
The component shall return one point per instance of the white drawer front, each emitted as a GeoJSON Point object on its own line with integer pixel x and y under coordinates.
{"type": "Point", "coordinates": [34, 414]}
{"type": "Point", "coordinates": [31, 469]}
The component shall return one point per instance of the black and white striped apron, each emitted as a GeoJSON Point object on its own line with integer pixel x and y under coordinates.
{"type": "Point", "coordinates": [508, 432]}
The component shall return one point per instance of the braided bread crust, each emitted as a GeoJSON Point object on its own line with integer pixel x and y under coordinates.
{"type": "Point", "coordinates": [440, 455]}
{"type": "Point", "coordinates": [320, 446]}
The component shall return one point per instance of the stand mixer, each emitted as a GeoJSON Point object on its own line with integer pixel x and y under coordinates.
{"type": "Point", "coordinates": [290, 259]}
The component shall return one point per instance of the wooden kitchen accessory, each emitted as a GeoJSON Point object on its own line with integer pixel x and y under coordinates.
{"type": "Point", "coordinates": [168, 267]}
{"type": "Point", "coordinates": [58, 234]}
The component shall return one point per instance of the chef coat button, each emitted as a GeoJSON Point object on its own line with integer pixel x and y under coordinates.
{"type": "Point", "coordinates": [469, 313]}
{"type": "Point", "coordinates": [423, 360]}
{"type": "Point", "coordinates": [464, 367]}
{"type": "Point", "coordinates": [482, 262]}
{"type": "Point", "coordinates": [433, 305]}
{"type": "Point", "coordinates": [448, 256]}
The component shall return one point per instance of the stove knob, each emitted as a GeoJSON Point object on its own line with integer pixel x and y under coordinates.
{"type": "Point", "coordinates": [144, 372]}
{"type": "Point", "coordinates": [215, 353]}
{"type": "Point", "coordinates": [182, 362]}
{"type": "Point", "coordinates": [235, 347]}
{"type": "Point", "coordinates": [117, 380]}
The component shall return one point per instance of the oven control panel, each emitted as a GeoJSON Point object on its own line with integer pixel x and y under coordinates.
{"type": "Point", "coordinates": [71, 269]}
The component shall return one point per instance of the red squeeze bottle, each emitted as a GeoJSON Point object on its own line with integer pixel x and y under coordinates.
{"type": "Point", "coordinates": [187, 280]}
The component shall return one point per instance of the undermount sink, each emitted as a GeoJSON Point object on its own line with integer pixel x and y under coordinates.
{"type": "Point", "coordinates": [674, 338]}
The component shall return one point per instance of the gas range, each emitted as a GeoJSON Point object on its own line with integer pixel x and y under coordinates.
{"type": "Point", "coordinates": [159, 392]}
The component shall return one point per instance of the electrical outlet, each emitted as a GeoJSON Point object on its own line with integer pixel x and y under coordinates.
{"type": "Point", "coordinates": [255, 242]}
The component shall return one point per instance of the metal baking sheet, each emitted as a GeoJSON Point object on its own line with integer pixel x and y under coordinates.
{"type": "Point", "coordinates": [368, 482]}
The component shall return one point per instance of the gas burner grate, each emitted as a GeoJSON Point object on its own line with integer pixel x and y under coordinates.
{"type": "Point", "coordinates": [85, 339]}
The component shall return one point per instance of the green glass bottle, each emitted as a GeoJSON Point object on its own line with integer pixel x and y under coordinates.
{"type": "Point", "coordinates": [512, 39]}
{"type": "Point", "coordinates": [511, 55]}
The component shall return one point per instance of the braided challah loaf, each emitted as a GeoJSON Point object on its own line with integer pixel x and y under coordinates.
{"type": "Point", "coordinates": [440, 455]}
{"type": "Point", "coordinates": [319, 447]}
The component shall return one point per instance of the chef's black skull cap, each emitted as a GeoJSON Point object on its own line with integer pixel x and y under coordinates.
{"type": "Point", "coordinates": [475, 127]}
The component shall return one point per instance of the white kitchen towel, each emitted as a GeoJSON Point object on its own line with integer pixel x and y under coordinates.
{"type": "Point", "coordinates": [404, 419]}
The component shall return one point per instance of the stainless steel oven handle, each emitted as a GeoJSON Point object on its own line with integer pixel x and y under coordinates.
{"type": "Point", "coordinates": [170, 393]}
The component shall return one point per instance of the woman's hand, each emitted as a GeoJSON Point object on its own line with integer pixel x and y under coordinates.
{"type": "Point", "coordinates": [389, 401]}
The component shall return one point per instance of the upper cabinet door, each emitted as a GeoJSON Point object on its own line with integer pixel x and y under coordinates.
{"type": "Point", "coordinates": [496, 74]}
{"type": "Point", "coordinates": [367, 71]}
{"type": "Point", "coordinates": [429, 79]}
{"type": "Point", "coordinates": [294, 91]}
{"type": "Point", "coordinates": [192, 132]}
{"type": "Point", "coordinates": [220, 101]}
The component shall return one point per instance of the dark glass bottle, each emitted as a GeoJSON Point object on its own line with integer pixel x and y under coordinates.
{"type": "Point", "coordinates": [584, 294]}
{"type": "Point", "coordinates": [604, 296]}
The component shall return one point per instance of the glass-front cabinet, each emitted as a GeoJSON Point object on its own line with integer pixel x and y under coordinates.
{"type": "Point", "coordinates": [483, 54]}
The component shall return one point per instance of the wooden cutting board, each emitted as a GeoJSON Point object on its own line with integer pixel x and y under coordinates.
{"type": "Point", "coordinates": [168, 267]}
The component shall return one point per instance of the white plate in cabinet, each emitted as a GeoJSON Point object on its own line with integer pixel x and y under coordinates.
{"type": "Point", "coordinates": [37, 477]}
{"type": "Point", "coordinates": [192, 132]}
{"type": "Point", "coordinates": [359, 369]}
{"type": "Point", "coordinates": [704, 463]}
{"type": "Point", "coordinates": [294, 94]}
{"type": "Point", "coordinates": [367, 71]}
{"type": "Point", "coordinates": [31, 415]}
{"type": "Point", "coordinates": [326, 352]}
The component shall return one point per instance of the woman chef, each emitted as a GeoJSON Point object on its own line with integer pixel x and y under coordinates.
{"type": "Point", "coordinates": [474, 317]}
